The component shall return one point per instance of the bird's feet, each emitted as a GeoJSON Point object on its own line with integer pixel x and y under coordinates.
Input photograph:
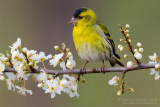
{"type": "Point", "coordinates": [103, 69]}
{"type": "Point", "coordinates": [83, 70]}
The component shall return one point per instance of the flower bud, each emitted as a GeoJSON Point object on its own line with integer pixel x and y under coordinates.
{"type": "Point", "coordinates": [56, 47]}
{"type": "Point", "coordinates": [30, 63]}
{"type": "Point", "coordinates": [119, 92]}
{"type": "Point", "coordinates": [67, 49]}
{"type": "Point", "coordinates": [125, 55]}
{"type": "Point", "coordinates": [141, 50]}
{"type": "Point", "coordinates": [131, 90]}
{"type": "Point", "coordinates": [126, 31]}
{"type": "Point", "coordinates": [135, 50]}
{"type": "Point", "coordinates": [121, 40]}
{"type": "Point", "coordinates": [119, 46]}
{"type": "Point", "coordinates": [127, 26]}
{"type": "Point", "coordinates": [158, 78]}
{"type": "Point", "coordinates": [83, 80]}
{"type": "Point", "coordinates": [129, 64]}
{"type": "Point", "coordinates": [129, 40]}
{"type": "Point", "coordinates": [127, 35]}
{"type": "Point", "coordinates": [69, 54]}
{"type": "Point", "coordinates": [139, 44]}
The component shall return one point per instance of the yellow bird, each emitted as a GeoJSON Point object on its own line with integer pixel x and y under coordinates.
{"type": "Point", "coordinates": [92, 39]}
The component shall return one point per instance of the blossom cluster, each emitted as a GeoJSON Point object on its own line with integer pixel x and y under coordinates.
{"type": "Point", "coordinates": [67, 62]}
{"type": "Point", "coordinates": [68, 84]}
{"type": "Point", "coordinates": [25, 61]}
{"type": "Point", "coordinates": [115, 81]}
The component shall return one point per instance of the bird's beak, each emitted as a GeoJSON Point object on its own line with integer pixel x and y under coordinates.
{"type": "Point", "coordinates": [73, 20]}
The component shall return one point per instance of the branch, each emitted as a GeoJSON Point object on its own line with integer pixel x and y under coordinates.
{"type": "Point", "coordinates": [87, 71]}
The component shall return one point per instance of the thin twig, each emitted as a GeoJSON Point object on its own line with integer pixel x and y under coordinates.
{"type": "Point", "coordinates": [129, 45]}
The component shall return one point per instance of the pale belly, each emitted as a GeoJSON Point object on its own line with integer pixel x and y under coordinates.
{"type": "Point", "coordinates": [92, 53]}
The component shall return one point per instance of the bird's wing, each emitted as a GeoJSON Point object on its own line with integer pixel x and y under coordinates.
{"type": "Point", "coordinates": [108, 37]}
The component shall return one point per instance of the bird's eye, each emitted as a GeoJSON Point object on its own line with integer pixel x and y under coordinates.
{"type": "Point", "coordinates": [80, 17]}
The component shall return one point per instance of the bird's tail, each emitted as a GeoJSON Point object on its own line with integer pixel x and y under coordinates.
{"type": "Point", "coordinates": [115, 60]}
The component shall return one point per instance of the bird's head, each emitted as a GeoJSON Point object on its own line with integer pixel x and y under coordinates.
{"type": "Point", "coordinates": [83, 16]}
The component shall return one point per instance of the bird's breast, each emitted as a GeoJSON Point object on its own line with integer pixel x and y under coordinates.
{"type": "Point", "coordinates": [90, 45]}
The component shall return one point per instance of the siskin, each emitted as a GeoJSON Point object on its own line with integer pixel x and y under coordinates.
{"type": "Point", "coordinates": [92, 39]}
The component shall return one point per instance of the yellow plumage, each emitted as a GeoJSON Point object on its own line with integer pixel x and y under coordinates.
{"type": "Point", "coordinates": [92, 39]}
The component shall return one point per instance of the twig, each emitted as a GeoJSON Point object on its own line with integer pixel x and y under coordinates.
{"type": "Point", "coordinates": [129, 44]}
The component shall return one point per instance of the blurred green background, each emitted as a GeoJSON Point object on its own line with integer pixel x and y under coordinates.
{"type": "Point", "coordinates": [41, 24]}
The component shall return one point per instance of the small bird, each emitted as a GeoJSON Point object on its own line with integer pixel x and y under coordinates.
{"type": "Point", "coordinates": [92, 39]}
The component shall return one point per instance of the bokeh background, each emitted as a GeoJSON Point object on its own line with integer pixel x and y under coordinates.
{"type": "Point", "coordinates": [42, 24]}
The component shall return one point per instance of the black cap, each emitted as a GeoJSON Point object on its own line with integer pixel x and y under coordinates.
{"type": "Point", "coordinates": [78, 12]}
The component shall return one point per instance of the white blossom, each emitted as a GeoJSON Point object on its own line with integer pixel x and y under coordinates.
{"type": "Point", "coordinates": [114, 81]}
{"type": "Point", "coordinates": [2, 57]}
{"type": "Point", "coordinates": [70, 63]}
{"type": "Point", "coordinates": [40, 85]}
{"type": "Point", "coordinates": [154, 71]}
{"type": "Point", "coordinates": [2, 67]}
{"type": "Point", "coordinates": [56, 59]}
{"type": "Point", "coordinates": [62, 65]}
{"type": "Point", "coordinates": [10, 80]}
{"type": "Point", "coordinates": [21, 73]}
{"type": "Point", "coordinates": [2, 77]}
{"type": "Point", "coordinates": [138, 55]}
{"type": "Point", "coordinates": [41, 57]}
{"type": "Point", "coordinates": [157, 66]}
{"type": "Point", "coordinates": [42, 76]}
{"type": "Point", "coordinates": [153, 57]}
{"type": "Point", "coordinates": [22, 91]}
{"type": "Point", "coordinates": [72, 87]}
{"type": "Point", "coordinates": [31, 52]}
{"type": "Point", "coordinates": [25, 50]}
{"type": "Point", "coordinates": [15, 54]}
{"type": "Point", "coordinates": [53, 87]}
{"type": "Point", "coordinates": [16, 45]}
